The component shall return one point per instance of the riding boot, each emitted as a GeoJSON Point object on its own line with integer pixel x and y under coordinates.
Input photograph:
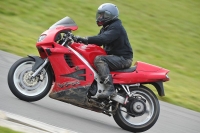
{"type": "Point", "coordinates": [109, 87]}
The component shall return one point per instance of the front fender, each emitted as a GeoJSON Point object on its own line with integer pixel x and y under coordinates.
{"type": "Point", "coordinates": [38, 62]}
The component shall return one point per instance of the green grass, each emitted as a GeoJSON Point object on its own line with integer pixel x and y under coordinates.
{"type": "Point", "coordinates": [7, 130]}
{"type": "Point", "coordinates": [162, 32]}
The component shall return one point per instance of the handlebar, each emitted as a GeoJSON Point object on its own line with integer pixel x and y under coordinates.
{"type": "Point", "coordinates": [68, 37]}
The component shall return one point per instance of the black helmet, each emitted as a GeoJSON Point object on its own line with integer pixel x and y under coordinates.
{"type": "Point", "coordinates": [106, 13]}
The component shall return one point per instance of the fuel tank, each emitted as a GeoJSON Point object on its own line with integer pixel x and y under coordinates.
{"type": "Point", "coordinates": [89, 52]}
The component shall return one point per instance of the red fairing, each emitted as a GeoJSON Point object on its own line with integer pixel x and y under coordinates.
{"type": "Point", "coordinates": [62, 71]}
{"type": "Point", "coordinates": [59, 64]}
{"type": "Point", "coordinates": [60, 67]}
{"type": "Point", "coordinates": [48, 41]}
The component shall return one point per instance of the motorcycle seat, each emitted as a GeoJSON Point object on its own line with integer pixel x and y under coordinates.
{"type": "Point", "coordinates": [131, 69]}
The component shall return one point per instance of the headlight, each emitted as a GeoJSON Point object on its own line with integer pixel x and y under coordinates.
{"type": "Point", "coordinates": [41, 38]}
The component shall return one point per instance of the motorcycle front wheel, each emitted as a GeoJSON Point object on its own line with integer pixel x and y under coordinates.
{"type": "Point", "coordinates": [23, 86]}
{"type": "Point", "coordinates": [141, 111]}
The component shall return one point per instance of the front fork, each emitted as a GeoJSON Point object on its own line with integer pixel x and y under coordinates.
{"type": "Point", "coordinates": [39, 65]}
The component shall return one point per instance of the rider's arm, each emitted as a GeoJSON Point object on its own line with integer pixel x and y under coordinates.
{"type": "Point", "coordinates": [106, 37]}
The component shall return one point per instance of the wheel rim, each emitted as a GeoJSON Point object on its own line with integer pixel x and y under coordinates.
{"type": "Point", "coordinates": [28, 87]}
{"type": "Point", "coordinates": [144, 118]}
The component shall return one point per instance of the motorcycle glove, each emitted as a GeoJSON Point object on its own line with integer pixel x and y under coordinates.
{"type": "Point", "coordinates": [82, 40]}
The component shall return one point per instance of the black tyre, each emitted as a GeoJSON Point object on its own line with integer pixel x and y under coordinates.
{"type": "Point", "coordinates": [25, 88]}
{"type": "Point", "coordinates": [144, 109]}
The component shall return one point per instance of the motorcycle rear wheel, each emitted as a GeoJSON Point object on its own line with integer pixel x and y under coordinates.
{"type": "Point", "coordinates": [145, 120]}
{"type": "Point", "coordinates": [25, 88]}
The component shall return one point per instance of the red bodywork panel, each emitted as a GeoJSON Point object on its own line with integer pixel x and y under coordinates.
{"type": "Point", "coordinates": [144, 73]}
{"type": "Point", "coordinates": [89, 52]}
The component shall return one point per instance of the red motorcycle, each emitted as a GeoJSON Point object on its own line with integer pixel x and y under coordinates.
{"type": "Point", "coordinates": [66, 71]}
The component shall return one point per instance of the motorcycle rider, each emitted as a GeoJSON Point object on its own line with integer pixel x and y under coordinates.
{"type": "Point", "coordinates": [114, 39]}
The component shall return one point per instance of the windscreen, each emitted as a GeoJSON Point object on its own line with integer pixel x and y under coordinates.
{"type": "Point", "coordinates": [67, 22]}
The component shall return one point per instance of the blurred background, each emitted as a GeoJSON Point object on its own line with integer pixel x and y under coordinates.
{"type": "Point", "coordinates": [162, 32]}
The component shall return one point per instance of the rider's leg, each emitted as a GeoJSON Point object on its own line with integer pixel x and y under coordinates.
{"type": "Point", "coordinates": [103, 65]}
{"type": "Point", "coordinates": [106, 78]}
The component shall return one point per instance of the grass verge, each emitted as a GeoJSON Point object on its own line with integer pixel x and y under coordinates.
{"type": "Point", "coordinates": [7, 130]}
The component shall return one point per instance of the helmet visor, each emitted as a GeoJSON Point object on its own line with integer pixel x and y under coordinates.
{"type": "Point", "coordinates": [103, 16]}
{"type": "Point", "coordinates": [99, 16]}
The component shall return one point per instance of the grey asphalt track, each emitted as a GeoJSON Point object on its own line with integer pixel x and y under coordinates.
{"type": "Point", "coordinates": [173, 119]}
